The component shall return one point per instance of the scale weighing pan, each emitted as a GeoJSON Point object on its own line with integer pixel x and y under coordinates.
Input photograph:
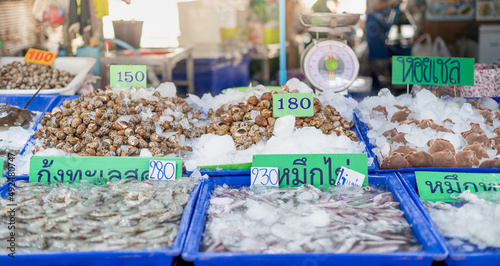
{"type": "Point", "coordinates": [329, 19]}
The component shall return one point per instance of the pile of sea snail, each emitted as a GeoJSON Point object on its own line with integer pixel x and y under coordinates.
{"type": "Point", "coordinates": [105, 123]}
{"type": "Point", "coordinates": [252, 120]}
{"type": "Point", "coordinates": [16, 76]}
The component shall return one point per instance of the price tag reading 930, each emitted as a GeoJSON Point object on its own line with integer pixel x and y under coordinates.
{"type": "Point", "coordinates": [39, 57]}
{"type": "Point", "coordinates": [296, 104]}
{"type": "Point", "coordinates": [265, 176]}
{"type": "Point", "coordinates": [128, 76]}
{"type": "Point", "coordinates": [162, 170]}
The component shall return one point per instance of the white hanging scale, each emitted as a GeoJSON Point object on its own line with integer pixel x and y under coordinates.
{"type": "Point", "coordinates": [329, 64]}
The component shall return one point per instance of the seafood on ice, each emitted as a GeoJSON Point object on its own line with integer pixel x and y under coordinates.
{"type": "Point", "coordinates": [306, 219]}
{"type": "Point", "coordinates": [82, 216]}
{"type": "Point", "coordinates": [427, 131]}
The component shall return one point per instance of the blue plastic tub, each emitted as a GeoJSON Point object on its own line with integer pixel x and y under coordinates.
{"type": "Point", "coordinates": [57, 101]}
{"type": "Point", "coordinates": [158, 257]}
{"type": "Point", "coordinates": [434, 249]}
{"type": "Point", "coordinates": [457, 257]}
{"type": "Point", "coordinates": [41, 103]}
{"type": "Point", "coordinates": [63, 98]}
{"type": "Point", "coordinates": [214, 75]}
{"type": "Point", "coordinates": [369, 147]}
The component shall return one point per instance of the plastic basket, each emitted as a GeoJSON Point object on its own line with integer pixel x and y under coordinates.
{"type": "Point", "coordinates": [55, 102]}
{"type": "Point", "coordinates": [486, 257]}
{"type": "Point", "coordinates": [215, 75]}
{"type": "Point", "coordinates": [434, 249]}
{"type": "Point", "coordinates": [41, 103]}
{"type": "Point", "coordinates": [119, 257]}
{"type": "Point", "coordinates": [78, 66]}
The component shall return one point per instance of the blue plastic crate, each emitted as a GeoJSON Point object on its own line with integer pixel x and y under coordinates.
{"type": "Point", "coordinates": [58, 101]}
{"type": "Point", "coordinates": [486, 257]}
{"type": "Point", "coordinates": [369, 146]}
{"type": "Point", "coordinates": [41, 103]}
{"type": "Point", "coordinates": [434, 249]}
{"type": "Point", "coordinates": [116, 257]}
{"type": "Point", "coordinates": [63, 98]}
{"type": "Point", "coordinates": [214, 75]}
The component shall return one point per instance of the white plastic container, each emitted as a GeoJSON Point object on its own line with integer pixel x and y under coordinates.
{"type": "Point", "coordinates": [489, 43]}
{"type": "Point", "coordinates": [78, 66]}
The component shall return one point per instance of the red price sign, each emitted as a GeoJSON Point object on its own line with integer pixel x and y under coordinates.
{"type": "Point", "coordinates": [39, 57]}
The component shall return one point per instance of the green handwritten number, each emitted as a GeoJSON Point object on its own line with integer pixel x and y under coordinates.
{"type": "Point", "coordinates": [308, 102]}
{"type": "Point", "coordinates": [281, 104]}
{"type": "Point", "coordinates": [255, 172]}
{"type": "Point", "coordinates": [292, 103]}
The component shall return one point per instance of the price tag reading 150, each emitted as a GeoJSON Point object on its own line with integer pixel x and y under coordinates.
{"type": "Point", "coordinates": [127, 76]}
{"type": "Point", "coordinates": [296, 104]}
{"type": "Point", "coordinates": [39, 57]}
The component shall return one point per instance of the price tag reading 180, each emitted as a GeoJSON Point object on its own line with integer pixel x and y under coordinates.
{"type": "Point", "coordinates": [296, 104]}
{"type": "Point", "coordinates": [127, 76]}
{"type": "Point", "coordinates": [162, 170]}
{"type": "Point", "coordinates": [264, 176]}
{"type": "Point", "coordinates": [39, 57]}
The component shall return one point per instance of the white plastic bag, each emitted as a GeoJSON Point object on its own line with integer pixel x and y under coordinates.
{"type": "Point", "coordinates": [423, 46]}
{"type": "Point", "coordinates": [440, 49]}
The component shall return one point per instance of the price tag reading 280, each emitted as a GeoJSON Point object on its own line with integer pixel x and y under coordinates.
{"type": "Point", "coordinates": [162, 170]}
{"type": "Point", "coordinates": [127, 76]}
{"type": "Point", "coordinates": [264, 176]}
{"type": "Point", "coordinates": [39, 57]}
{"type": "Point", "coordinates": [296, 104]}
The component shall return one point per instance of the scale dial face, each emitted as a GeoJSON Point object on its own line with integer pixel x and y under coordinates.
{"type": "Point", "coordinates": [330, 65]}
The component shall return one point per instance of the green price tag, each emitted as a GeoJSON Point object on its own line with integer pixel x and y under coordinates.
{"type": "Point", "coordinates": [68, 169]}
{"type": "Point", "coordinates": [128, 76]}
{"type": "Point", "coordinates": [440, 186]}
{"type": "Point", "coordinates": [296, 104]}
{"type": "Point", "coordinates": [432, 70]}
{"type": "Point", "coordinates": [1, 163]}
{"type": "Point", "coordinates": [315, 169]}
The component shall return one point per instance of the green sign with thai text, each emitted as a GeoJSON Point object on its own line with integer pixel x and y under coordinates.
{"type": "Point", "coordinates": [443, 186]}
{"type": "Point", "coordinates": [69, 168]}
{"type": "Point", "coordinates": [315, 169]}
{"type": "Point", "coordinates": [432, 70]}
